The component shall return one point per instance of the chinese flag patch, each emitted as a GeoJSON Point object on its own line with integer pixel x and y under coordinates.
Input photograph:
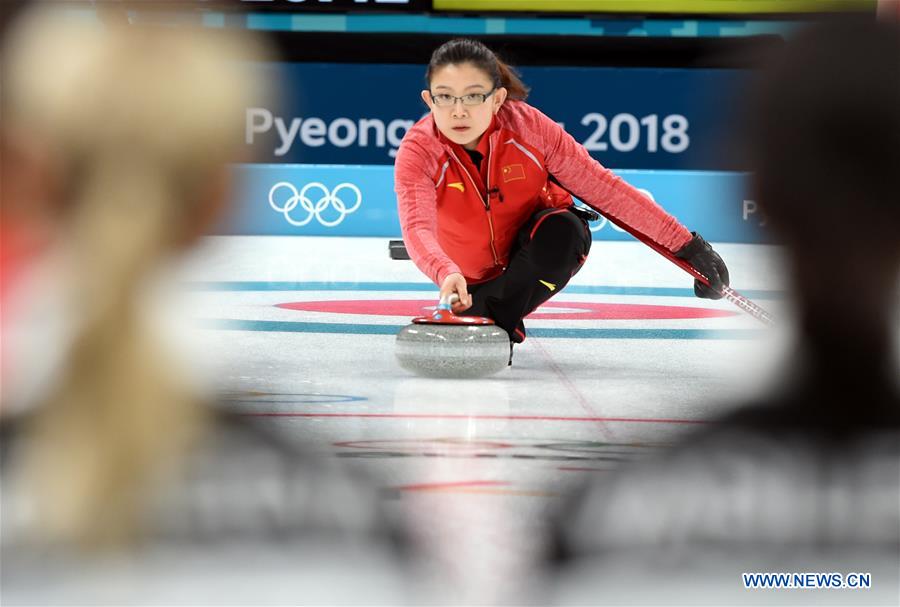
{"type": "Point", "coordinates": [513, 172]}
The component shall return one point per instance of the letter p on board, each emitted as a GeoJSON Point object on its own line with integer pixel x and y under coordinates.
{"type": "Point", "coordinates": [253, 125]}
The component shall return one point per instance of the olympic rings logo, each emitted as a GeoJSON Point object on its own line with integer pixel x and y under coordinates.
{"type": "Point", "coordinates": [328, 200]}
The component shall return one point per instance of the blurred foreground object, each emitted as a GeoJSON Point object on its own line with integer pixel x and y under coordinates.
{"type": "Point", "coordinates": [120, 484]}
{"type": "Point", "coordinates": [808, 478]}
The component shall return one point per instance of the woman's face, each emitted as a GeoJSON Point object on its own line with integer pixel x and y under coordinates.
{"type": "Point", "coordinates": [456, 106]}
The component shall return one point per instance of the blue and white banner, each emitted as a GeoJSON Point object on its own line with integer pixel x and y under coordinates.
{"type": "Point", "coordinates": [639, 118]}
{"type": "Point", "coordinates": [328, 200]}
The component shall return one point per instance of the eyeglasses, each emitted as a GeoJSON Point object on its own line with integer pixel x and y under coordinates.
{"type": "Point", "coordinates": [472, 99]}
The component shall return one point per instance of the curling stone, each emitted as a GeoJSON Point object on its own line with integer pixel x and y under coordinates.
{"type": "Point", "coordinates": [449, 346]}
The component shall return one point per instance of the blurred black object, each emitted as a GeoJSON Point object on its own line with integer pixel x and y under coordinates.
{"type": "Point", "coordinates": [806, 478]}
{"type": "Point", "coordinates": [397, 250]}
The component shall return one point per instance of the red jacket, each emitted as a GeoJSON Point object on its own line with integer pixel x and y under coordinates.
{"type": "Point", "coordinates": [456, 218]}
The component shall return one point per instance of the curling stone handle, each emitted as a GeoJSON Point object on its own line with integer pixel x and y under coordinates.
{"type": "Point", "coordinates": [446, 303]}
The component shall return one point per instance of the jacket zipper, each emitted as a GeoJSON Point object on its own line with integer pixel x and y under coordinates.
{"type": "Point", "coordinates": [485, 202]}
{"type": "Point", "coordinates": [488, 205]}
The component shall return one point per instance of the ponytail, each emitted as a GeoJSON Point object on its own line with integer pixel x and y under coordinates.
{"type": "Point", "coordinates": [138, 137]}
{"type": "Point", "coordinates": [465, 50]}
{"type": "Point", "coordinates": [516, 89]}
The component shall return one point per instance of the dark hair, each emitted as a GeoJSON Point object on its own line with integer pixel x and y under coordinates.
{"type": "Point", "coordinates": [465, 50]}
{"type": "Point", "coordinates": [825, 132]}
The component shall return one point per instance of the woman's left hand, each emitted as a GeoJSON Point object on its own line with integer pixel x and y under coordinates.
{"type": "Point", "coordinates": [705, 260]}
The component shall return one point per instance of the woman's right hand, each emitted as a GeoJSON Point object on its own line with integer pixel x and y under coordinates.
{"type": "Point", "coordinates": [456, 283]}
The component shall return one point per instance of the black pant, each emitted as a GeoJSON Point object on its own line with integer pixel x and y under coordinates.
{"type": "Point", "coordinates": [549, 249]}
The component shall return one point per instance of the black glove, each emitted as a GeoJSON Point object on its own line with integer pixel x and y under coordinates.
{"type": "Point", "coordinates": [706, 261]}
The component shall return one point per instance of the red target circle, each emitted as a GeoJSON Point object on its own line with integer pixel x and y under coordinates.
{"type": "Point", "coordinates": [559, 310]}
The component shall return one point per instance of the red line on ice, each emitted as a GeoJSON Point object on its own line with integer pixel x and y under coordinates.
{"type": "Point", "coordinates": [550, 418]}
{"type": "Point", "coordinates": [431, 486]}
